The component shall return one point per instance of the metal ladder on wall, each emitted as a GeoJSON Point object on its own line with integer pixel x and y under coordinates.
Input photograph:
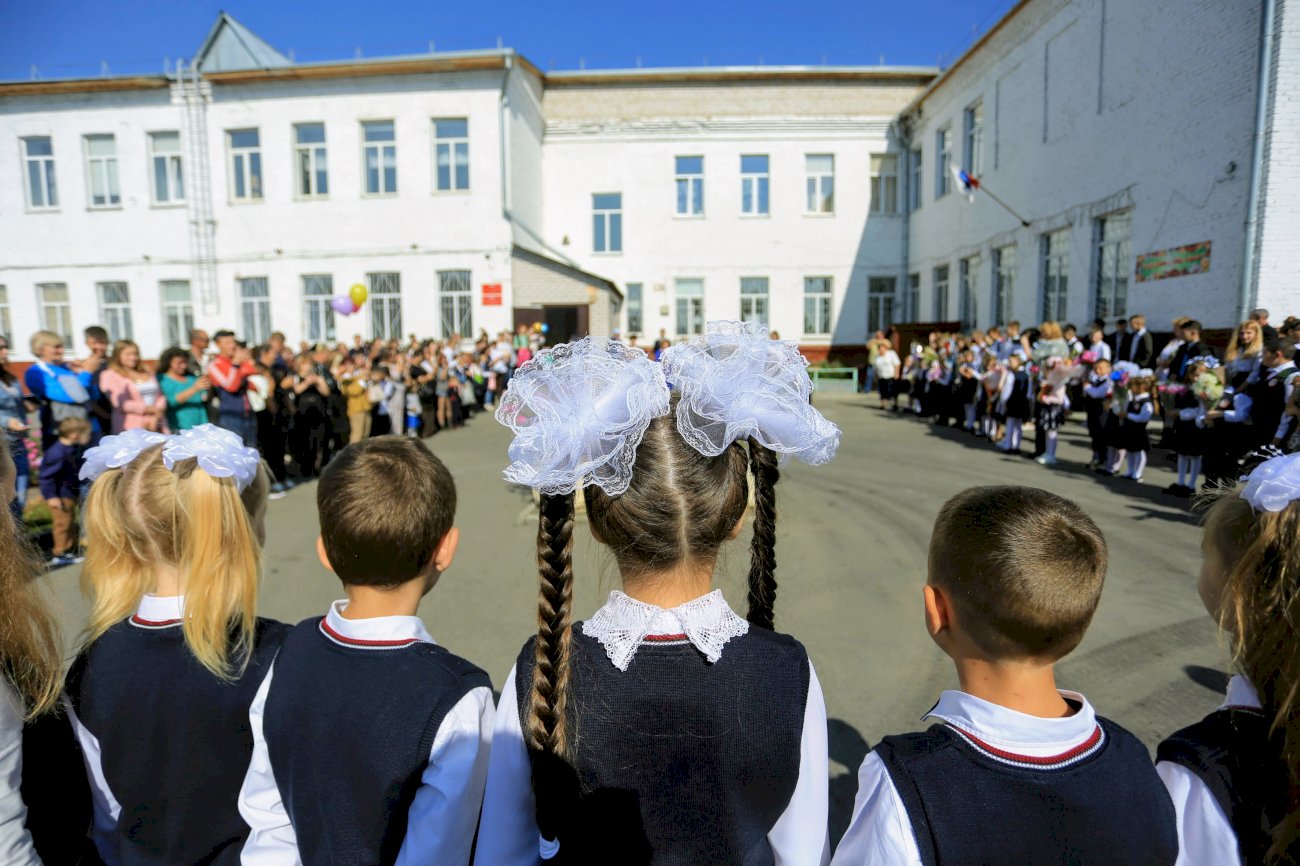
{"type": "Point", "coordinates": [195, 93]}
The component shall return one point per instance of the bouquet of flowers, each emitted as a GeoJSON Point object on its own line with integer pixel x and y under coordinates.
{"type": "Point", "coordinates": [1207, 388]}
{"type": "Point", "coordinates": [1088, 357]}
{"type": "Point", "coordinates": [1171, 389]}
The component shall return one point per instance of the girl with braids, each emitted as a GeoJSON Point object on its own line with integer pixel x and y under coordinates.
{"type": "Point", "coordinates": [665, 729]}
{"type": "Point", "coordinates": [1235, 776]}
{"type": "Point", "coordinates": [174, 651]}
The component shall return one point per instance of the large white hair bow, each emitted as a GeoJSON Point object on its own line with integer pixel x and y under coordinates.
{"type": "Point", "coordinates": [1273, 484]}
{"type": "Point", "coordinates": [114, 452]}
{"type": "Point", "coordinates": [219, 452]}
{"type": "Point", "coordinates": [737, 383]}
{"type": "Point", "coordinates": [579, 412]}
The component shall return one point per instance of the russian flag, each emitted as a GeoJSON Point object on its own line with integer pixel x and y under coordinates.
{"type": "Point", "coordinates": [966, 182]}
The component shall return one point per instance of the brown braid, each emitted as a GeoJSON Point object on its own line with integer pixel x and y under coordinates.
{"type": "Point", "coordinates": [546, 726]}
{"type": "Point", "coordinates": [762, 550]}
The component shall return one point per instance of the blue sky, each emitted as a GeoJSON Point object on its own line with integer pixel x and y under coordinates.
{"type": "Point", "coordinates": [74, 37]}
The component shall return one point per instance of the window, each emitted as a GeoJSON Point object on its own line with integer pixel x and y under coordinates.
{"type": "Point", "coordinates": [318, 312]}
{"type": "Point", "coordinates": [1056, 272]}
{"type": "Point", "coordinates": [1004, 280]}
{"type": "Point", "coordinates": [942, 161]}
{"type": "Point", "coordinates": [884, 183]}
{"type": "Point", "coordinates": [311, 166]}
{"type": "Point", "coordinates": [817, 305]}
{"type": "Point", "coordinates": [690, 186]}
{"type": "Point", "coordinates": [56, 310]}
{"type": "Point", "coordinates": [254, 310]}
{"type": "Point", "coordinates": [178, 311]}
{"type": "Point", "coordinates": [455, 296]}
{"type": "Point", "coordinates": [941, 293]}
{"type": "Point", "coordinates": [115, 310]}
{"type": "Point", "coordinates": [753, 186]}
{"type": "Point", "coordinates": [1113, 264]}
{"type": "Point", "coordinates": [38, 154]}
{"type": "Point", "coordinates": [245, 165]}
{"type": "Point", "coordinates": [912, 303]}
{"type": "Point", "coordinates": [634, 308]}
{"type": "Point", "coordinates": [101, 171]}
{"type": "Point", "coordinates": [380, 157]}
{"type": "Point", "coordinates": [385, 290]}
{"type": "Point", "coordinates": [690, 307]}
{"type": "Point", "coordinates": [880, 303]}
{"type": "Point", "coordinates": [820, 169]}
{"type": "Point", "coordinates": [451, 154]}
{"type": "Point", "coordinates": [168, 171]}
{"type": "Point", "coordinates": [972, 158]}
{"type": "Point", "coordinates": [753, 299]}
{"type": "Point", "coordinates": [6, 325]}
{"type": "Point", "coordinates": [968, 270]}
{"type": "Point", "coordinates": [607, 222]}
{"type": "Point", "coordinates": [914, 185]}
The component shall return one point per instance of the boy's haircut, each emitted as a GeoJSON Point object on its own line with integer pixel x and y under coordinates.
{"type": "Point", "coordinates": [1285, 348]}
{"type": "Point", "coordinates": [1192, 325]}
{"type": "Point", "coordinates": [73, 427]}
{"type": "Point", "coordinates": [222, 333]}
{"type": "Point", "coordinates": [385, 505]}
{"type": "Point", "coordinates": [1023, 568]}
{"type": "Point", "coordinates": [96, 332]}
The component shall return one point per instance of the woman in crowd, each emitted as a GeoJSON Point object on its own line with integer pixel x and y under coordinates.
{"type": "Point", "coordinates": [311, 422]}
{"type": "Point", "coordinates": [186, 394]}
{"type": "Point", "coordinates": [13, 420]}
{"type": "Point", "coordinates": [137, 400]}
{"type": "Point", "coordinates": [61, 391]}
{"type": "Point", "coordinates": [1245, 349]}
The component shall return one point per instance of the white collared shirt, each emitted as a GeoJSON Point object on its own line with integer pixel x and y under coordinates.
{"type": "Point", "coordinates": [508, 834]}
{"type": "Point", "coordinates": [444, 814]}
{"type": "Point", "coordinates": [881, 831]}
{"type": "Point", "coordinates": [1205, 837]}
{"type": "Point", "coordinates": [16, 846]}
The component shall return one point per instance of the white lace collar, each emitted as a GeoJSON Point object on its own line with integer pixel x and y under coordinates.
{"type": "Point", "coordinates": [624, 623]}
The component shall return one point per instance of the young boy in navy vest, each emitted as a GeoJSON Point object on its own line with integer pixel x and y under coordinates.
{"type": "Point", "coordinates": [371, 741]}
{"type": "Point", "coordinates": [1011, 770]}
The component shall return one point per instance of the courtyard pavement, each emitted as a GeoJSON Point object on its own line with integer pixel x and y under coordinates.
{"type": "Point", "coordinates": [851, 549]}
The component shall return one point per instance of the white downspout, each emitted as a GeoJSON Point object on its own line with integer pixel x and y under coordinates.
{"type": "Point", "coordinates": [1247, 296]}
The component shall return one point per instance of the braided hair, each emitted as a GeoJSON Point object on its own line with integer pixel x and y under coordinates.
{"type": "Point", "coordinates": [762, 549]}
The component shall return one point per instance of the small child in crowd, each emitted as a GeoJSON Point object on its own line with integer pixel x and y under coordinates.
{"type": "Point", "coordinates": [1012, 770]}
{"type": "Point", "coordinates": [388, 762]}
{"type": "Point", "coordinates": [1133, 438]}
{"type": "Point", "coordinates": [1235, 776]}
{"type": "Point", "coordinates": [1015, 403]}
{"type": "Point", "coordinates": [1098, 391]}
{"type": "Point", "coordinates": [61, 487]}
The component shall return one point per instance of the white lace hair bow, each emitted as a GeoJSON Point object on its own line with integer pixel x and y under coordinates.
{"type": "Point", "coordinates": [737, 383]}
{"type": "Point", "coordinates": [114, 452]}
{"type": "Point", "coordinates": [220, 453]}
{"type": "Point", "coordinates": [1273, 484]}
{"type": "Point", "coordinates": [578, 412]}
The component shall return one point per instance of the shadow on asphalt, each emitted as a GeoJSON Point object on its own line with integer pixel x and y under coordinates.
{"type": "Point", "coordinates": [847, 747]}
{"type": "Point", "coordinates": [1214, 680]}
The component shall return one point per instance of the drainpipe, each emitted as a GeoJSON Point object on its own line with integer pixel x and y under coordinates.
{"type": "Point", "coordinates": [1247, 296]}
{"type": "Point", "coordinates": [905, 166]}
{"type": "Point", "coordinates": [503, 103]}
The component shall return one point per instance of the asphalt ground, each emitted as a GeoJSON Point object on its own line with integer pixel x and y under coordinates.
{"type": "Point", "coordinates": [851, 551]}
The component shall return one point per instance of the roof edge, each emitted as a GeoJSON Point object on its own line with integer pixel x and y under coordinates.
{"type": "Point", "coordinates": [738, 73]}
{"type": "Point", "coordinates": [51, 86]}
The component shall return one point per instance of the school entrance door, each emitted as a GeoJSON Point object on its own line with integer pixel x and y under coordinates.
{"type": "Point", "coordinates": [565, 324]}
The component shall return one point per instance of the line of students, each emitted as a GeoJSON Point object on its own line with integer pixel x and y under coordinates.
{"type": "Point", "coordinates": [666, 729]}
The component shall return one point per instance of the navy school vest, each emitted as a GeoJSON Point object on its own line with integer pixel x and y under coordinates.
{"type": "Point", "coordinates": [676, 761]}
{"type": "Point", "coordinates": [175, 740]}
{"type": "Point", "coordinates": [348, 730]}
{"type": "Point", "coordinates": [1102, 803]}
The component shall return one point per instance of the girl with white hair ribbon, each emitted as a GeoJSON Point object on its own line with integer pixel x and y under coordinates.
{"type": "Point", "coordinates": [666, 728]}
{"type": "Point", "coordinates": [174, 651]}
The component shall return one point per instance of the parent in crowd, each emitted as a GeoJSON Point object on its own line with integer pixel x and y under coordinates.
{"type": "Point", "coordinates": [229, 373]}
{"type": "Point", "coordinates": [61, 391]}
{"type": "Point", "coordinates": [186, 393]}
{"type": "Point", "coordinates": [134, 396]}
{"type": "Point", "coordinates": [13, 421]}
{"type": "Point", "coordinates": [1140, 346]}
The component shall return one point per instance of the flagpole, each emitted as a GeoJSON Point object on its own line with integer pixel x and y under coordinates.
{"type": "Point", "coordinates": [1024, 222]}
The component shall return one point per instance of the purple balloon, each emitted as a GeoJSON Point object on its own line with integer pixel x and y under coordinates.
{"type": "Point", "coordinates": [343, 305]}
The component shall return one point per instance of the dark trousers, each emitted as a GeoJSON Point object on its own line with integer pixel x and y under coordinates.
{"type": "Point", "coordinates": [307, 440]}
{"type": "Point", "coordinates": [270, 439]}
{"type": "Point", "coordinates": [242, 424]}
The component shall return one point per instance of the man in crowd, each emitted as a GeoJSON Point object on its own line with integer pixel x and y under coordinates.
{"type": "Point", "coordinates": [1141, 346]}
{"type": "Point", "coordinates": [1260, 317]}
{"type": "Point", "coordinates": [100, 405]}
{"type": "Point", "coordinates": [1118, 340]}
{"type": "Point", "coordinates": [229, 373]}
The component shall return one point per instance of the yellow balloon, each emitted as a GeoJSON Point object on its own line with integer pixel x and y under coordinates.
{"type": "Point", "coordinates": [358, 294]}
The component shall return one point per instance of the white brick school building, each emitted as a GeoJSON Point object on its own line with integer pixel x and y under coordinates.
{"type": "Point", "coordinates": [470, 190]}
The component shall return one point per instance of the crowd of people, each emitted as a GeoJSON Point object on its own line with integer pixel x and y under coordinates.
{"type": "Point", "coordinates": [297, 407]}
{"type": "Point", "coordinates": [1214, 405]}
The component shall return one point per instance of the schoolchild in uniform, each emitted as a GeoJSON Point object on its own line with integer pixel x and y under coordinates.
{"type": "Point", "coordinates": [991, 386]}
{"type": "Point", "coordinates": [159, 693]}
{"type": "Point", "coordinates": [387, 763]}
{"type": "Point", "coordinates": [665, 729]}
{"type": "Point", "coordinates": [1188, 439]}
{"type": "Point", "coordinates": [1234, 776]}
{"type": "Point", "coordinates": [1097, 391]}
{"type": "Point", "coordinates": [1015, 403]}
{"type": "Point", "coordinates": [1011, 770]}
{"type": "Point", "coordinates": [966, 389]}
{"type": "Point", "coordinates": [1133, 437]}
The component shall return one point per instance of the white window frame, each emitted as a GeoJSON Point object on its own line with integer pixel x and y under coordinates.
{"type": "Point", "coordinates": [884, 183]}
{"type": "Point", "coordinates": [1004, 284]}
{"type": "Point", "coordinates": [172, 165]}
{"type": "Point", "coordinates": [882, 295]}
{"type": "Point", "coordinates": [318, 324]}
{"type": "Point", "coordinates": [689, 295]}
{"type": "Point", "coordinates": [756, 300]}
{"type": "Point", "coordinates": [942, 276]}
{"type": "Point", "coordinates": [819, 186]}
{"type": "Point", "coordinates": [44, 164]}
{"type": "Point", "coordinates": [454, 147]}
{"type": "Point", "coordinates": [177, 314]}
{"type": "Point", "coordinates": [1054, 256]}
{"type": "Point", "coordinates": [115, 314]}
{"type": "Point", "coordinates": [635, 307]}
{"type": "Point", "coordinates": [757, 186]}
{"type": "Point", "coordinates": [691, 205]}
{"type": "Point", "coordinates": [818, 306]}
{"type": "Point", "coordinates": [912, 301]}
{"type": "Point", "coordinates": [972, 157]}
{"type": "Point", "coordinates": [968, 306]}
{"type": "Point", "coordinates": [1112, 266]}
{"type": "Point", "coordinates": [606, 224]}
{"type": "Point", "coordinates": [916, 168]}
{"type": "Point", "coordinates": [102, 169]}
{"type": "Point", "coordinates": [6, 322]}
{"type": "Point", "coordinates": [240, 165]}
{"type": "Point", "coordinates": [255, 310]}
{"type": "Point", "coordinates": [314, 157]}
{"type": "Point", "coordinates": [942, 162]}
{"type": "Point", "coordinates": [56, 315]}
{"type": "Point", "coordinates": [385, 304]}
{"type": "Point", "coordinates": [384, 150]}
{"type": "Point", "coordinates": [456, 303]}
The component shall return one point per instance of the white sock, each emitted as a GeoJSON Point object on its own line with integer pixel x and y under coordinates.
{"type": "Point", "coordinates": [1137, 461]}
{"type": "Point", "coordinates": [1182, 470]}
{"type": "Point", "coordinates": [1017, 428]}
{"type": "Point", "coordinates": [1194, 472]}
{"type": "Point", "coordinates": [1119, 455]}
{"type": "Point", "coordinates": [1051, 445]}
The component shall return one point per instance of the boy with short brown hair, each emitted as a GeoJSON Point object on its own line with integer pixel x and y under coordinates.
{"type": "Point", "coordinates": [1013, 770]}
